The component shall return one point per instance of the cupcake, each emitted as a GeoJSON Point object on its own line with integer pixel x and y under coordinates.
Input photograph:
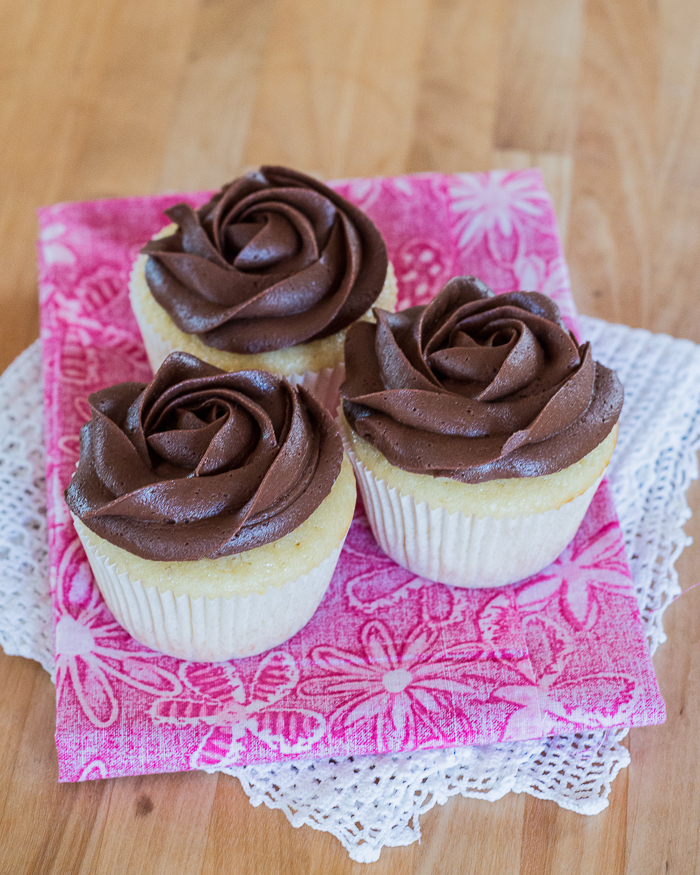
{"type": "Point", "coordinates": [479, 431]}
{"type": "Point", "coordinates": [212, 507]}
{"type": "Point", "coordinates": [267, 274]}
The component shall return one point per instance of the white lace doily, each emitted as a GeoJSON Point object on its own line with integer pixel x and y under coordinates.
{"type": "Point", "coordinates": [26, 628]}
{"type": "Point", "coordinates": [375, 801]}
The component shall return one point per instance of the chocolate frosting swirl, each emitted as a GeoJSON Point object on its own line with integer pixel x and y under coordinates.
{"type": "Point", "coordinates": [201, 463]}
{"type": "Point", "coordinates": [477, 387]}
{"type": "Point", "coordinates": [273, 260]}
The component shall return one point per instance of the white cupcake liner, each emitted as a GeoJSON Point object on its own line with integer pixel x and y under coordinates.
{"type": "Point", "coordinates": [324, 384]}
{"type": "Point", "coordinates": [462, 550]}
{"type": "Point", "coordinates": [210, 630]}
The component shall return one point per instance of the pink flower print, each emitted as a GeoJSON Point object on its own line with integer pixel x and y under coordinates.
{"type": "Point", "coordinates": [525, 720]}
{"type": "Point", "coordinates": [374, 582]}
{"type": "Point", "coordinates": [549, 645]}
{"type": "Point", "coordinates": [82, 407]}
{"type": "Point", "coordinates": [422, 269]}
{"type": "Point", "coordinates": [214, 696]}
{"type": "Point", "coordinates": [571, 697]}
{"type": "Point", "coordinates": [93, 313]}
{"type": "Point", "coordinates": [499, 619]}
{"type": "Point", "coordinates": [95, 770]}
{"type": "Point", "coordinates": [443, 604]}
{"type": "Point", "coordinates": [69, 446]}
{"type": "Point", "coordinates": [371, 579]}
{"type": "Point", "coordinates": [533, 274]}
{"type": "Point", "coordinates": [92, 649]}
{"type": "Point", "coordinates": [53, 251]}
{"type": "Point", "coordinates": [91, 293]}
{"type": "Point", "coordinates": [402, 184]}
{"type": "Point", "coordinates": [590, 564]}
{"type": "Point", "coordinates": [400, 695]}
{"type": "Point", "coordinates": [98, 289]}
{"type": "Point", "coordinates": [79, 363]}
{"type": "Point", "coordinates": [559, 610]}
{"type": "Point", "coordinates": [500, 625]}
{"type": "Point", "coordinates": [591, 701]}
{"type": "Point", "coordinates": [85, 301]}
{"type": "Point", "coordinates": [362, 191]}
{"type": "Point", "coordinates": [497, 206]}
{"type": "Point", "coordinates": [130, 352]}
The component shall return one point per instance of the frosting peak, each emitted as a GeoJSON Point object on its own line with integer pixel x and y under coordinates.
{"type": "Point", "coordinates": [273, 260]}
{"type": "Point", "coordinates": [477, 386]}
{"type": "Point", "coordinates": [202, 463]}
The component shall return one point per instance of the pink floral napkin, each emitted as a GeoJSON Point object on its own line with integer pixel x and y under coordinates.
{"type": "Point", "coordinates": [390, 661]}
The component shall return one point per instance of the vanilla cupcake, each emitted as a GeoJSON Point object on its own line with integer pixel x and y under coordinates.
{"type": "Point", "coordinates": [212, 507]}
{"type": "Point", "coordinates": [479, 431]}
{"type": "Point", "coordinates": [268, 274]}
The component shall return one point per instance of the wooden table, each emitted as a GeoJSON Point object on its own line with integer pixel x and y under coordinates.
{"type": "Point", "coordinates": [115, 98]}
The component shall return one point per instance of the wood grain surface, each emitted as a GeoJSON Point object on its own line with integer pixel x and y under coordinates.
{"type": "Point", "coordinates": [121, 97]}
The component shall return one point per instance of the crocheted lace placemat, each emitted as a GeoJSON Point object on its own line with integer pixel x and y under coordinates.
{"type": "Point", "coordinates": [376, 801]}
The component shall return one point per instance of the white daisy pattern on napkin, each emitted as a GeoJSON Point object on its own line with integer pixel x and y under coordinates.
{"type": "Point", "coordinates": [214, 697]}
{"type": "Point", "coordinates": [93, 653]}
{"type": "Point", "coordinates": [495, 208]}
{"type": "Point", "coordinates": [400, 691]}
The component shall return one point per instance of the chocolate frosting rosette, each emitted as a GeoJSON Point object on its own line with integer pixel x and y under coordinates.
{"type": "Point", "coordinates": [269, 273]}
{"type": "Point", "coordinates": [479, 411]}
{"type": "Point", "coordinates": [212, 506]}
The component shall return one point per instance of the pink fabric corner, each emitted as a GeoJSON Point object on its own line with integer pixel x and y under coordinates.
{"type": "Point", "coordinates": [390, 661]}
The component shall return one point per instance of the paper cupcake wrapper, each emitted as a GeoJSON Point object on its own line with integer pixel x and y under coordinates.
{"type": "Point", "coordinates": [465, 550]}
{"type": "Point", "coordinates": [210, 630]}
{"type": "Point", "coordinates": [325, 385]}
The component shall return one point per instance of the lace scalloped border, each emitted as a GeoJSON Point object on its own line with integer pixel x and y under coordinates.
{"type": "Point", "coordinates": [373, 802]}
